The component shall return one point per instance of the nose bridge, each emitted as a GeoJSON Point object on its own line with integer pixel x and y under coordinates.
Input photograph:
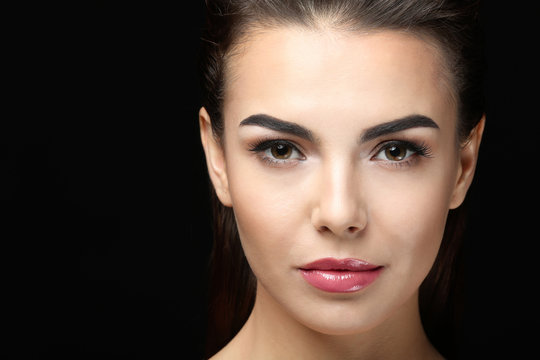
{"type": "Point", "coordinates": [339, 204]}
{"type": "Point", "coordinates": [337, 186]}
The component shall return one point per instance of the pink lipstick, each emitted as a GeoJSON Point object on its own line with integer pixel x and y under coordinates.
{"type": "Point", "coordinates": [340, 275]}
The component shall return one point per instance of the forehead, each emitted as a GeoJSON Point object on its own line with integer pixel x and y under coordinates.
{"type": "Point", "coordinates": [297, 72]}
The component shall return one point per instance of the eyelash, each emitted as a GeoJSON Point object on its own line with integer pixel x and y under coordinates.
{"type": "Point", "coordinates": [417, 149]}
{"type": "Point", "coordinates": [264, 145]}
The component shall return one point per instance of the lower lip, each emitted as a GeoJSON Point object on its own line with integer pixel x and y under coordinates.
{"type": "Point", "coordinates": [340, 281]}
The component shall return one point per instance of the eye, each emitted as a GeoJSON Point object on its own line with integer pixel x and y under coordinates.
{"type": "Point", "coordinates": [396, 151]}
{"type": "Point", "coordinates": [277, 151]}
{"type": "Point", "coordinates": [281, 151]}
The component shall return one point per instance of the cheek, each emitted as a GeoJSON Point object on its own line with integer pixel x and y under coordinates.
{"type": "Point", "coordinates": [410, 219]}
{"type": "Point", "coordinates": [268, 216]}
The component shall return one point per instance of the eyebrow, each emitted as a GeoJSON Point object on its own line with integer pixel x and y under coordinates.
{"type": "Point", "coordinates": [397, 125]}
{"type": "Point", "coordinates": [276, 124]}
{"type": "Point", "coordinates": [404, 123]}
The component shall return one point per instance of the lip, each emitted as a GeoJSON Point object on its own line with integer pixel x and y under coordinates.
{"type": "Point", "coordinates": [340, 275]}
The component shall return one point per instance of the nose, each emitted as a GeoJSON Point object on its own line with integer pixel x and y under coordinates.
{"type": "Point", "coordinates": [339, 208]}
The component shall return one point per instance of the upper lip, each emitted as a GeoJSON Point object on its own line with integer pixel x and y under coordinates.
{"type": "Point", "coordinates": [348, 264]}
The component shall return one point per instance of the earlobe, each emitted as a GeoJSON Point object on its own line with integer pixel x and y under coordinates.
{"type": "Point", "coordinates": [467, 164]}
{"type": "Point", "coordinates": [215, 158]}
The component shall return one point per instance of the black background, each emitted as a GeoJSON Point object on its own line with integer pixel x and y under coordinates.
{"type": "Point", "coordinates": [106, 229]}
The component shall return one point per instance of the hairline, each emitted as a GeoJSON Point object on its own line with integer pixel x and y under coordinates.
{"type": "Point", "coordinates": [260, 26]}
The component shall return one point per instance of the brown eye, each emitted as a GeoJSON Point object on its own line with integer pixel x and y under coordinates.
{"type": "Point", "coordinates": [395, 152]}
{"type": "Point", "coordinates": [399, 151]}
{"type": "Point", "coordinates": [278, 152]}
{"type": "Point", "coordinates": [281, 151]}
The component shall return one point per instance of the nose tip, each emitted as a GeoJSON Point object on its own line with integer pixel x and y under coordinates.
{"type": "Point", "coordinates": [339, 206]}
{"type": "Point", "coordinates": [344, 223]}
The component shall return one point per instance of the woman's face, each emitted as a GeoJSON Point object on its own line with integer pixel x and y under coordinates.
{"type": "Point", "coordinates": [338, 146]}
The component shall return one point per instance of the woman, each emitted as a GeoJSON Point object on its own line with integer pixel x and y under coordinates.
{"type": "Point", "coordinates": [341, 138]}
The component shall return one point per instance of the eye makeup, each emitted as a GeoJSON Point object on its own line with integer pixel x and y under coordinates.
{"type": "Point", "coordinates": [277, 152]}
{"type": "Point", "coordinates": [401, 152]}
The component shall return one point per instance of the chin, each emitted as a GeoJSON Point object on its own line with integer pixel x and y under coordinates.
{"type": "Point", "coordinates": [341, 328]}
{"type": "Point", "coordinates": [341, 319]}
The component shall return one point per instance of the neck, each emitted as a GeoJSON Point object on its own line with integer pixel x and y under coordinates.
{"type": "Point", "coordinates": [270, 332]}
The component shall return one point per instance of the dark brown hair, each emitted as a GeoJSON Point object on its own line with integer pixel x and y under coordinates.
{"type": "Point", "coordinates": [451, 24]}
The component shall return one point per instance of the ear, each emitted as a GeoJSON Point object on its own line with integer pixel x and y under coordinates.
{"type": "Point", "coordinates": [215, 158]}
{"type": "Point", "coordinates": [467, 164]}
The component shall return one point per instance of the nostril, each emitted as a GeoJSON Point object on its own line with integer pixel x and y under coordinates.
{"type": "Point", "coordinates": [324, 228]}
{"type": "Point", "coordinates": [353, 229]}
{"type": "Point", "coordinates": [349, 230]}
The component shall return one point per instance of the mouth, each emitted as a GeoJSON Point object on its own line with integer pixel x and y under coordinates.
{"type": "Point", "coordinates": [340, 275]}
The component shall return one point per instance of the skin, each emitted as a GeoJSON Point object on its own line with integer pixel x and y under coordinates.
{"type": "Point", "coordinates": [337, 196]}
